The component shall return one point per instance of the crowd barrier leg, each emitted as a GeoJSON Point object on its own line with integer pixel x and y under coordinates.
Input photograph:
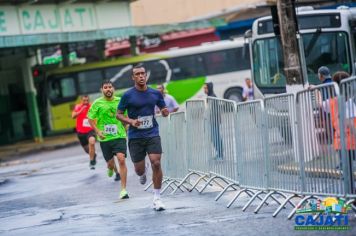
{"type": "Point", "coordinates": [292, 213]}
{"type": "Point", "coordinates": [169, 185]}
{"type": "Point", "coordinates": [148, 186]}
{"type": "Point", "coordinates": [250, 193]}
{"type": "Point", "coordinates": [184, 180]}
{"type": "Point", "coordinates": [252, 199]}
{"type": "Point", "coordinates": [231, 185]}
{"type": "Point", "coordinates": [285, 203]}
{"type": "Point", "coordinates": [270, 195]}
{"type": "Point", "coordinates": [203, 177]}
{"type": "Point", "coordinates": [213, 179]}
{"type": "Point", "coordinates": [351, 201]}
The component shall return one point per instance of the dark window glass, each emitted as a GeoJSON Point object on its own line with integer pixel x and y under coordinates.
{"type": "Point", "coordinates": [242, 61]}
{"type": "Point", "coordinates": [305, 22]}
{"type": "Point", "coordinates": [156, 71]}
{"type": "Point", "coordinates": [186, 67]}
{"type": "Point", "coordinates": [217, 62]}
{"type": "Point", "coordinates": [225, 61]}
{"type": "Point", "coordinates": [89, 81]}
{"type": "Point", "coordinates": [120, 76]}
{"type": "Point", "coordinates": [62, 88]}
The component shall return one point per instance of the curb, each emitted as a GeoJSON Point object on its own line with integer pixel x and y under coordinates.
{"type": "Point", "coordinates": [11, 155]}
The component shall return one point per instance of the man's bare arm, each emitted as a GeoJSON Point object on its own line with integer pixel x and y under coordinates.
{"type": "Point", "coordinates": [92, 123]}
{"type": "Point", "coordinates": [121, 117]}
{"type": "Point", "coordinates": [76, 113]}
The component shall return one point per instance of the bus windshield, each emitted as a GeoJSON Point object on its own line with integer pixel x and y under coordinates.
{"type": "Point", "coordinates": [320, 48]}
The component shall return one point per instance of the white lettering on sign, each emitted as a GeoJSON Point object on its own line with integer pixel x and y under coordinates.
{"type": "Point", "coordinates": [50, 18]}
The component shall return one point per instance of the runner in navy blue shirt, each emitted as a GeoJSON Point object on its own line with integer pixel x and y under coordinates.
{"type": "Point", "coordinates": [140, 102]}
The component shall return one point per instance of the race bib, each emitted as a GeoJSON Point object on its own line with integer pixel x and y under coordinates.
{"type": "Point", "coordinates": [110, 129]}
{"type": "Point", "coordinates": [86, 123]}
{"type": "Point", "coordinates": [146, 122]}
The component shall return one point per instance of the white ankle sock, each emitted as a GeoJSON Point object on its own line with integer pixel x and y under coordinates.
{"type": "Point", "coordinates": [157, 193]}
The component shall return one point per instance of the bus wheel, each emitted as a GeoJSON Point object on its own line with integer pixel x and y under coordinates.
{"type": "Point", "coordinates": [234, 94]}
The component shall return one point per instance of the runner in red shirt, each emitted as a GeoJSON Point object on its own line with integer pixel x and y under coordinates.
{"type": "Point", "coordinates": [85, 132]}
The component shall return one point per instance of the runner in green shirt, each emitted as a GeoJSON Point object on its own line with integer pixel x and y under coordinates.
{"type": "Point", "coordinates": [111, 132]}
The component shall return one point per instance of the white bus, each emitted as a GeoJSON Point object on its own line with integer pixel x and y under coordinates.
{"type": "Point", "coordinates": [183, 70]}
{"type": "Point", "coordinates": [329, 39]}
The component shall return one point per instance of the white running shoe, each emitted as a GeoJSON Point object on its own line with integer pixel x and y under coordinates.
{"type": "Point", "coordinates": [158, 205]}
{"type": "Point", "coordinates": [143, 178]}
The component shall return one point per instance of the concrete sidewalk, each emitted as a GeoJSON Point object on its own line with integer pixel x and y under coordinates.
{"type": "Point", "coordinates": [17, 150]}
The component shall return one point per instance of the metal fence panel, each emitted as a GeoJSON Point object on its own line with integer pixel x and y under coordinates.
{"type": "Point", "coordinates": [251, 145]}
{"type": "Point", "coordinates": [283, 164]}
{"type": "Point", "coordinates": [220, 127]}
{"type": "Point", "coordinates": [320, 162]}
{"type": "Point", "coordinates": [164, 133]}
{"type": "Point", "coordinates": [196, 136]}
{"type": "Point", "coordinates": [177, 160]}
{"type": "Point", "coordinates": [347, 138]}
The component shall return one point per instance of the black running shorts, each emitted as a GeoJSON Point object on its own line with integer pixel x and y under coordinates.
{"type": "Point", "coordinates": [84, 137]}
{"type": "Point", "coordinates": [139, 147]}
{"type": "Point", "coordinates": [112, 147]}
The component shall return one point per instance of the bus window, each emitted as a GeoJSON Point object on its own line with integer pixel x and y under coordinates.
{"type": "Point", "coordinates": [186, 67]}
{"type": "Point", "coordinates": [268, 63]}
{"type": "Point", "coordinates": [120, 76]}
{"type": "Point", "coordinates": [217, 62]}
{"type": "Point", "coordinates": [156, 71]}
{"type": "Point", "coordinates": [242, 62]}
{"type": "Point", "coordinates": [225, 61]}
{"type": "Point", "coordinates": [62, 89]}
{"type": "Point", "coordinates": [89, 81]}
{"type": "Point", "coordinates": [326, 49]}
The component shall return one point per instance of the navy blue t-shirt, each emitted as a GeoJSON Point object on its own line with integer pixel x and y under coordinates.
{"type": "Point", "coordinates": [141, 104]}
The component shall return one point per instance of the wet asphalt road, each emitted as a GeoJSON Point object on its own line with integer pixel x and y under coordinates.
{"type": "Point", "coordinates": [55, 193]}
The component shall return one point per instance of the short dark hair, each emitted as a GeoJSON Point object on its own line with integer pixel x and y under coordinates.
{"type": "Point", "coordinates": [136, 66]}
{"type": "Point", "coordinates": [106, 82]}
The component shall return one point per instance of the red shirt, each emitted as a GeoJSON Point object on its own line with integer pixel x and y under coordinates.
{"type": "Point", "coordinates": [82, 119]}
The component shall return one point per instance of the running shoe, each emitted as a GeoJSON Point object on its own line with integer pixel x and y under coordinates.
{"type": "Point", "coordinates": [92, 164]}
{"type": "Point", "coordinates": [124, 194]}
{"type": "Point", "coordinates": [117, 177]}
{"type": "Point", "coordinates": [158, 205]}
{"type": "Point", "coordinates": [110, 172]}
{"type": "Point", "coordinates": [143, 178]}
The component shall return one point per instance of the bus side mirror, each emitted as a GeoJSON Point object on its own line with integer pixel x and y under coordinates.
{"type": "Point", "coordinates": [245, 49]}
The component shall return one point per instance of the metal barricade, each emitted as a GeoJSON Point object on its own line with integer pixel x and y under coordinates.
{"type": "Point", "coordinates": [164, 132]}
{"type": "Point", "coordinates": [320, 163]}
{"type": "Point", "coordinates": [301, 145]}
{"type": "Point", "coordinates": [220, 129]}
{"type": "Point", "coordinates": [284, 167]}
{"type": "Point", "coordinates": [283, 162]}
{"type": "Point", "coordinates": [196, 142]}
{"type": "Point", "coordinates": [251, 146]}
{"type": "Point", "coordinates": [345, 143]}
{"type": "Point", "coordinates": [175, 159]}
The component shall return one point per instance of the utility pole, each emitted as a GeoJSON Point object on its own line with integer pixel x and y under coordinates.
{"type": "Point", "coordinates": [288, 30]}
